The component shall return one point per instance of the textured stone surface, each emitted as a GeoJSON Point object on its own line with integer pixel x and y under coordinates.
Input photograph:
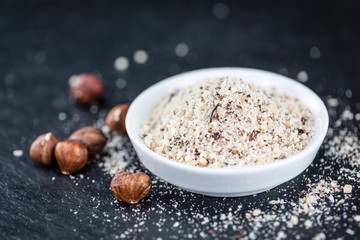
{"type": "Point", "coordinates": [43, 43]}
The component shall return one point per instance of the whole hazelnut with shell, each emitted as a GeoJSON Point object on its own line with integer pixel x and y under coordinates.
{"type": "Point", "coordinates": [116, 118]}
{"type": "Point", "coordinates": [42, 150]}
{"type": "Point", "coordinates": [70, 156]}
{"type": "Point", "coordinates": [92, 137]}
{"type": "Point", "coordinates": [87, 88]}
{"type": "Point", "coordinates": [131, 188]}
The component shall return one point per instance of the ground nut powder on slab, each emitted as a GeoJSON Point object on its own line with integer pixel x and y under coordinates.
{"type": "Point", "coordinates": [225, 122]}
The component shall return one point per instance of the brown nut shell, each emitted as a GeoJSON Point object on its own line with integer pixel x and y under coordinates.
{"type": "Point", "coordinates": [92, 137]}
{"type": "Point", "coordinates": [116, 118]}
{"type": "Point", "coordinates": [131, 188]}
{"type": "Point", "coordinates": [87, 88]}
{"type": "Point", "coordinates": [42, 150]}
{"type": "Point", "coordinates": [70, 156]}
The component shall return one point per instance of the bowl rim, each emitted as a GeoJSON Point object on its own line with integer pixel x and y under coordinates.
{"type": "Point", "coordinates": [313, 145]}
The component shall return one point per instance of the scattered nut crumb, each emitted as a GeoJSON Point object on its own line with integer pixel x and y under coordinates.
{"type": "Point", "coordinates": [333, 102]}
{"type": "Point", "coordinates": [309, 199]}
{"type": "Point", "coordinates": [256, 212]}
{"type": "Point", "coordinates": [140, 56]}
{"type": "Point", "coordinates": [181, 49]}
{"type": "Point", "coordinates": [308, 224]}
{"type": "Point", "coordinates": [62, 116]}
{"type": "Point", "coordinates": [302, 76]}
{"type": "Point", "coordinates": [350, 231]}
{"type": "Point", "coordinates": [121, 63]}
{"type": "Point", "coordinates": [347, 188]}
{"type": "Point", "coordinates": [18, 153]}
{"type": "Point", "coordinates": [294, 220]}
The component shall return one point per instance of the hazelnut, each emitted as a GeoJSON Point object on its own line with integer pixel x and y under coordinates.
{"type": "Point", "coordinates": [87, 88]}
{"type": "Point", "coordinates": [130, 188]}
{"type": "Point", "coordinates": [42, 150]}
{"type": "Point", "coordinates": [92, 137]}
{"type": "Point", "coordinates": [70, 156]}
{"type": "Point", "coordinates": [116, 118]}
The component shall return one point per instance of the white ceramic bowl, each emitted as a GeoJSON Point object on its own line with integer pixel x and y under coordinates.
{"type": "Point", "coordinates": [225, 182]}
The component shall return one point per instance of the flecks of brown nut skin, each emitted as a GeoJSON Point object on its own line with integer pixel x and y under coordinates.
{"type": "Point", "coordinates": [87, 88]}
{"type": "Point", "coordinates": [70, 156]}
{"type": "Point", "coordinates": [131, 188]}
{"type": "Point", "coordinates": [116, 118]}
{"type": "Point", "coordinates": [92, 137]}
{"type": "Point", "coordinates": [42, 150]}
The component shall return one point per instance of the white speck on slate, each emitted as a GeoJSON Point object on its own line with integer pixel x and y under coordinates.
{"type": "Point", "coordinates": [302, 76]}
{"type": "Point", "coordinates": [76, 117]}
{"type": "Point", "coordinates": [315, 52]}
{"type": "Point", "coordinates": [121, 63]}
{"type": "Point", "coordinates": [181, 49]}
{"type": "Point", "coordinates": [94, 109]}
{"type": "Point", "coordinates": [283, 71]}
{"type": "Point", "coordinates": [220, 10]}
{"type": "Point", "coordinates": [18, 153]}
{"type": "Point", "coordinates": [333, 102]}
{"type": "Point", "coordinates": [140, 56]}
{"type": "Point", "coordinates": [73, 80]}
{"type": "Point", "coordinates": [308, 223]}
{"type": "Point", "coordinates": [120, 83]}
{"type": "Point", "coordinates": [62, 116]}
{"type": "Point", "coordinates": [348, 93]}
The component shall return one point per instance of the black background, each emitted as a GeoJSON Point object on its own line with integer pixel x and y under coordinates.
{"type": "Point", "coordinates": [43, 43]}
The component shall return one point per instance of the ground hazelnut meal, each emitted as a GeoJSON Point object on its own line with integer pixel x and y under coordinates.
{"type": "Point", "coordinates": [225, 122]}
